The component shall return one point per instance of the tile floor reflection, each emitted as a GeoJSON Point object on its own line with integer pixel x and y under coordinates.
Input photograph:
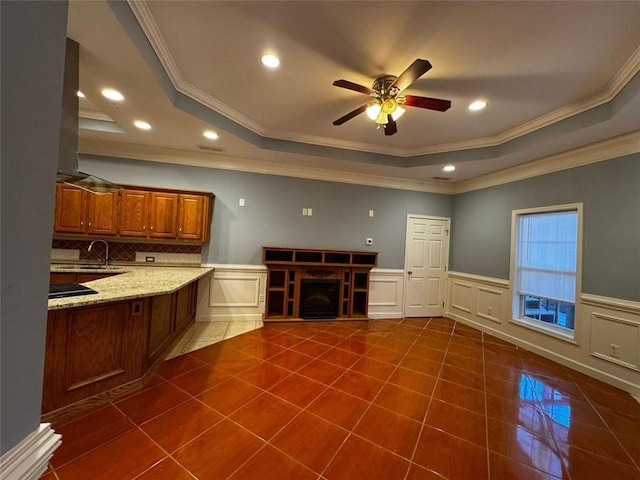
{"type": "Point", "coordinates": [406, 399]}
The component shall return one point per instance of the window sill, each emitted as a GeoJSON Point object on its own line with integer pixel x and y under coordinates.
{"type": "Point", "coordinates": [555, 332]}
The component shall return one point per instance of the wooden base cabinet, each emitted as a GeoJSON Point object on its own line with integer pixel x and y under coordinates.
{"type": "Point", "coordinates": [91, 350]}
{"type": "Point", "coordinates": [99, 352]}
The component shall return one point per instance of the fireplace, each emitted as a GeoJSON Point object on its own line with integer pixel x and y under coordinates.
{"type": "Point", "coordinates": [319, 298]}
{"type": "Point", "coordinates": [309, 283]}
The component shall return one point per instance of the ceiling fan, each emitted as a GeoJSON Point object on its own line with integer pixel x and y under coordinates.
{"type": "Point", "coordinates": [384, 108]}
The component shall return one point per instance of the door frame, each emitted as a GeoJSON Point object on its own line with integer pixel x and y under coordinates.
{"type": "Point", "coordinates": [406, 258]}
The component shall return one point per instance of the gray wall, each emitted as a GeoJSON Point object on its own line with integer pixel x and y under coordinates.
{"type": "Point", "coordinates": [33, 43]}
{"type": "Point", "coordinates": [273, 212]}
{"type": "Point", "coordinates": [610, 191]}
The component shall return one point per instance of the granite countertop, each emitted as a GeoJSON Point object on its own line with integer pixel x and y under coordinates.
{"type": "Point", "coordinates": [131, 282]}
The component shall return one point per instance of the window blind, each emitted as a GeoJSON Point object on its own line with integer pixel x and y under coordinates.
{"type": "Point", "coordinates": [547, 255]}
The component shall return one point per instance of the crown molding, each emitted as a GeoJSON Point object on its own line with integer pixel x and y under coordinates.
{"type": "Point", "coordinates": [227, 162]}
{"type": "Point", "coordinates": [145, 19]}
{"type": "Point", "coordinates": [596, 152]}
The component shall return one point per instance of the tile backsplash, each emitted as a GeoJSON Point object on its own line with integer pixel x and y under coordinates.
{"type": "Point", "coordinates": [66, 249]}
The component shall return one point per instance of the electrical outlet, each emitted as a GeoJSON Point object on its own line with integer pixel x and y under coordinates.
{"type": "Point", "coordinates": [241, 202]}
{"type": "Point", "coordinates": [370, 213]}
{"type": "Point", "coordinates": [261, 298]}
{"type": "Point", "coordinates": [489, 310]}
{"type": "Point", "coordinates": [149, 259]}
{"type": "Point", "coordinates": [304, 212]}
{"type": "Point", "coordinates": [614, 350]}
{"type": "Point", "coordinates": [309, 211]}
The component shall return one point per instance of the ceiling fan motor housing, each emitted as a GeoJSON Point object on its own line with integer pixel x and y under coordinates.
{"type": "Point", "coordinates": [382, 84]}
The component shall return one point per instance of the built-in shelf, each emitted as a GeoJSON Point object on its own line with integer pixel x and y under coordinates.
{"type": "Point", "coordinates": [287, 267]}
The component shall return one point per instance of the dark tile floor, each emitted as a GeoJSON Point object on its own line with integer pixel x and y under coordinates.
{"type": "Point", "coordinates": [407, 399]}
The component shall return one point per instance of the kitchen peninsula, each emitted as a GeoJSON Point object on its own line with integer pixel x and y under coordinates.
{"type": "Point", "coordinates": [106, 344]}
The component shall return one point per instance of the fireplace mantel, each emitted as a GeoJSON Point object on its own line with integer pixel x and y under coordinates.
{"type": "Point", "coordinates": [287, 267]}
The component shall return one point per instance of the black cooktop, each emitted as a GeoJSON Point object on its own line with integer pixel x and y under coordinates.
{"type": "Point", "coordinates": [60, 290]}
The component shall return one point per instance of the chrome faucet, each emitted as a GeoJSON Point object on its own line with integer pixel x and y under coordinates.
{"type": "Point", "coordinates": [106, 246]}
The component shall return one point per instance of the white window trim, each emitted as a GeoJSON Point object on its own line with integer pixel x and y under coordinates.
{"type": "Point", "coordinates": [555, 332]}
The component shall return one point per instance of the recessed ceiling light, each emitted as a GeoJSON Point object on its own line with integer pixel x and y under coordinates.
{"type": "Point", "coordinates": [270, 60]}
{"type": "Point", "coordinates": [112, 94]}
{"type": "Point", "coordinates": [449, 168]}
{"type": "Point", "coordinates": [80, 94]}
{"type": "Point", "coordinates": [210, 134]}
{"type": "Point", "coordinates": [477, 105]}
{"type": "Point", "coordinates": [142, 125]}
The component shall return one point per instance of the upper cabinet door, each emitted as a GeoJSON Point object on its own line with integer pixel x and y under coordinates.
{"type": "Point", "coordinates": [134, 213]}
{"type": "Point", "coordinates": [191, 211]}
{"type": "Point", "coordinates": [102, 218]}
{"type": "Point", "coordinates": [70, 209]}
{"type": "Point", "coordinates": [164, 212]}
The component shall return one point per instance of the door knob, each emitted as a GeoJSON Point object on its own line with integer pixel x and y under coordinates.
{"type": "Point", "coordinates": [409, 272]}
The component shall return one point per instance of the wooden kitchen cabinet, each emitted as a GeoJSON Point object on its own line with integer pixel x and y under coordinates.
{"type": "Point", "coordinates": [81, 212]}
{"type": "Point", "coordinates": [102, 213]}
{"type": "Point", "coordinates": [163, 215]}
{"type": "Point", "coordinates": [192, 217]}
{"type": "Point", "coordinates": [98, 352]}
{"type": "Point", "coordinates": [134, 213]}
{"type": "Point", "coordinates": [70, 209]}
{"type": "Point", "coordinates": [91, 350]}
{"type": "Point", "coordinates": [161, 326]}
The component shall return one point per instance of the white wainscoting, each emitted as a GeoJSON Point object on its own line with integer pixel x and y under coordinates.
{"type": "Point", "coordinates": [607, 335]}
{"type": "Point", "coordinates": [386, 293]}
{"type": "Point", "coordinates": [237, 292]}
{"type": "Point", "coordinates": [232, 292]}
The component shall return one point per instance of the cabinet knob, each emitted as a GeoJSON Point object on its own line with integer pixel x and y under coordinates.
{"type": "Point", "coordinates": [81, 223]}
{"type": "Point", "coordinates": [180, 229]}
{"type": "Point", "coordinates": [144, 227]}
{"type": "Point", "coordinates": [89, 223]}
{"type": "Point", "coordinates": [151, 227]}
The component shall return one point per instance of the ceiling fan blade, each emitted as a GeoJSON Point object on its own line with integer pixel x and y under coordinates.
{"type": "Point", "coordinates": [391, 127]}
{"type": "Point", "coordinates": [351, 114]}
{"type": "Point", "coordinates": [418, 68]}
{"type": "Point", "coordinates": [426, 102]}
{"type": "Point", "coordinates": [353, 86]}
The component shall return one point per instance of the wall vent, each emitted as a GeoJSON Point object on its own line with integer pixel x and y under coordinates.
{"type": "Point", "coordinates": [440, 178]}
{"type": "Point", "coordinates": [209, 148]}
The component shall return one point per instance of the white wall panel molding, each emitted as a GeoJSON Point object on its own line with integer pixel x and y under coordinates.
{"type": "Point", "coordinates": [616, 339]}
{"type": "Point", "coordinates": [461, 296]}
{"type": "Point", "coordinates": [611, 303]}
{"type": "Point", "coordinates": [28, 459]}
{"type": "Point", "coordinates": [386, 293]}
{"type": "Point", "coordinates": [497, 282]}
{"type": "Point", "coordinates": [232, 292]}
{"type": "Point", "coordinates": [609, 329]}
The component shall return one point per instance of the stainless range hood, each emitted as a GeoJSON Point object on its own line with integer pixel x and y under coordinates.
{"type": "Point", "coordinates": [68, 149]}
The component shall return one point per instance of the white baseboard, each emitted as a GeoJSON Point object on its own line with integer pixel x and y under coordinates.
{"type": "Point", "coordinates": [28, 459]}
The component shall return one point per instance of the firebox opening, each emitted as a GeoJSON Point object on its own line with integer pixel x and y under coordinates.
{"type": "Point", "coordinates": [319, 298]}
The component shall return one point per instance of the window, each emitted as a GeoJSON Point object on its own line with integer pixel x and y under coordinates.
{"type": "Point", "coordinates": [545, 274]}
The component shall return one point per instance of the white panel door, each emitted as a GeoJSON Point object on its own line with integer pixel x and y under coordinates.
{"type": "Point", "coordinates": [426, 258]}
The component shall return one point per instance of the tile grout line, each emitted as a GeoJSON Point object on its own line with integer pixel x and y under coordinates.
{"type": "Point", "coordinates": [351, 431]}
{"type": "Point", "coordinates": [426, 413]}
{"type": "Point", "coordinates": [486, 408]}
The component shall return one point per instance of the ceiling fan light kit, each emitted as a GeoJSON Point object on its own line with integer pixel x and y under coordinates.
{"type": "Point", "coordinates": [385, 110]}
